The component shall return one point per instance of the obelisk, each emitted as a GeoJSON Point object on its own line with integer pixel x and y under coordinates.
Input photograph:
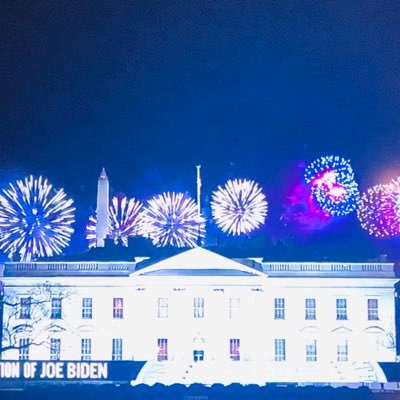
{"type": "Point", "coordinates": [103, 191]}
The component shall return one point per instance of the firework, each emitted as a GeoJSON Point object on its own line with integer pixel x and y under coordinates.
{"type": "Point", "coordinates": [124, 221]}
{"type": "Point", "coordinates": [239, 207]}
{"type": "Point", "coordinates": [35, 219]}
{"type": "Point", "coordinates": [333, 185]}
{"type": "Point", "coordinates": [378, 211]}
{"type": "Point", "coordinates": [394, 187]}
{"type": "Point", "coordinates": [172, 219]}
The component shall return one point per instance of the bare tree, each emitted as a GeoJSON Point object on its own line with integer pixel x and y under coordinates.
{"type": "Point", "coordinates": [30, 315]}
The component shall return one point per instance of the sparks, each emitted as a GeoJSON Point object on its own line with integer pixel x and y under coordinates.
{"type": "Point", "coordinates": [239, 207]}
{"type": "Point", "coordinates": [172, 219]}
{"type": "Point", "coordinates": [35, 219]}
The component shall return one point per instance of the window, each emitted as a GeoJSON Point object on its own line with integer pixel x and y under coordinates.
{"type": "Point", "coordinates": [342, 351]}
{"type": "Point", "coordinates": [116, 350]}
{"type": "Point", "coordinates": [310, 309]}
{"type": "Point", "coordinates": [56, 309]}
{"type": "Point", "coordinates": [162, 307]}
{"type": "Point", "coordinates": [373, 309]}
{"type": "Point", "coordinates": [25, 308]}
{"type": "Point", "coordinates": [198, 309]}
{"type": "Point", "coordinates": [280, 349]}
{"type": "Point", "coordinates": [311, 350]}
{"type": "Point", "coordinates": [234, 306]}
{"type": "Point", "coordinates": [234, 349]}
{"type": "Point", "coordinates": [23, 351]}
{"type": "Point", "coordinates": [86, 349]}
{"type": "Point", "coordinates": [341, 309]}
{"type": "Point", "coordinates": [279, 308]}
{"type": "Point", "coordinates": [162, 354]}
{"type": "Point", "coordinates": [118, 307]}
{"type": "Point", "coordinates": [87, 308]}
{"type": "Point", "coordinates": [55, 349]}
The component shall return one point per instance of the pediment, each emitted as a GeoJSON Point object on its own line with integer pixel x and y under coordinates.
{"type": "Point", "coordinates": [342, 329]}
{"type": "Point", "coordinates": [198, 262]}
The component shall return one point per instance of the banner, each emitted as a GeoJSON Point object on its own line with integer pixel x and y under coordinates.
{"type": "Point", "coordinates": [71, 370]}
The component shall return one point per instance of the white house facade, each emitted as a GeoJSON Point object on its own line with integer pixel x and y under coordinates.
{"type": "Point", "coordinates": [201, 317]}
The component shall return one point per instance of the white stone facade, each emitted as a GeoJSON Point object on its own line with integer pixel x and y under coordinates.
{"type": "Point", "coordinates": [223, 313]}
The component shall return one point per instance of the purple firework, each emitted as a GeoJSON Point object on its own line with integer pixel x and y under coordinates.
{"type": "Point", "coordinates": [172, 219]}
{"type": "Point", "coordinates": [378, 211]}
{"type": "Point", "coordinates": [123, 222]}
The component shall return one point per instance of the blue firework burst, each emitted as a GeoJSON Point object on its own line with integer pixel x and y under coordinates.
{"type": "Point", "coordinates": [333, 185]}
{"type": "Point", "coordinates": [239, 207]}
{"type": "Point", "coordinates": [35, 219]}
{"type": "Point", "coordinates": [172, 219]}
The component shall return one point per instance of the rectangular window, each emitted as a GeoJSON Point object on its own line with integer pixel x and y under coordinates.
{"type": "Point", "coordinates": [116, 350]}
{"type": "Point", "coordinates": [280, 349]}
{"type": "Point", "coordinates": [234, 349]}
{"type": "Point", "coordinates": [198, 307]}
{"type": "Point", "coordinates": [55, 349]}
{"type": "Point", "coordinates": [311, 350]}
{"type": "Point", "coordinates": [87, 308]}
{"type": "Point", "coordinates": [162, 311]}
{"type": "Point", "coordinates": [86, 349]}
{"type": "Point", "coordinates": [342, 351]}
{"type": "Point", "coordinates": [162, 354]}
{"type": "Point", "coordinates": [310, 309]}
{"type": "Point", "coordinates": [234, 307]}
{"type": "Point", "coordinates": [56, 308]}
{"type": "Point", "coordinates": [341, 309]}
{"type": "Point", "coordinates": [373, 309]}
{"type": "Point", "coordinates": [279, 308]}
{"type": "Point", "coordinates": [25, 308]}
{"type": "Point", "coordinates": [118, 308]}
{"type": "Point", "coordinates": [23, 351]}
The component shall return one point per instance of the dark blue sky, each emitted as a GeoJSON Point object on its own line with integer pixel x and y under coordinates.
{"type": "Point", "coordinates": [149, 89]}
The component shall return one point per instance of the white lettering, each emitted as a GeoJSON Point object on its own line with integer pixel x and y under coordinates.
{"type": "Point", "coordinates": [9, 370]}
{"type": "Point", "coordinates": [52, 370]}
{"type": "Point", "coordinates": [84, 370]}
{"type": "Point", "coordinates": [71, 370]}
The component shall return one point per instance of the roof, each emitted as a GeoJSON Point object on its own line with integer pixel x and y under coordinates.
{"type": "Point", "coordinates": [198, 262]}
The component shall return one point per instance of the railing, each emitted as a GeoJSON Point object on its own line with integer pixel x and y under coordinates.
{"type": "Point", "coordinates": [70, 266]}
{"type": "Point", "coordinates": [315, 267]}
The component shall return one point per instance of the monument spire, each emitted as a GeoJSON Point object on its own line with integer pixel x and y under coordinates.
{"type": "Point", "coordinates": [103, 192]}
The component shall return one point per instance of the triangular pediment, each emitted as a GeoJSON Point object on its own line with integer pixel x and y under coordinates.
{"type": "Point", "coordinates": [342, 329]}
{"type": "Point", "coordinates": [198, 262]}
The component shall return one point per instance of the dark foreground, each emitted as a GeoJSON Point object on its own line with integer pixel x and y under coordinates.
{"type": "Point", "coordinates": [194, 392]}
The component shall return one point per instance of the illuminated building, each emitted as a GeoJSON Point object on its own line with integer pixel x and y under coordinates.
{"type": "Point", "coordinates": [201, 317]}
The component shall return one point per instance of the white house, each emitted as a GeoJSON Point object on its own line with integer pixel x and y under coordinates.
{"type": "Point", "coordinates": [201, 317]}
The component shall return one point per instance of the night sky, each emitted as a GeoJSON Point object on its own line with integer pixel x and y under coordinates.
{"type": "Point", "coordinates": [251, 89]}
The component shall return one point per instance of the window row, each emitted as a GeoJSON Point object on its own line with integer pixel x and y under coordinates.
{"type": "Point", "coordinates": [26, 308]}
{"type": "Point", "coordinates": [341, 309]}
{"type": "Point", "coordinates": [55, 349]}
{"type": "Point", "coordinates": [279, 308]}
{"type": "Point", "coordinates": [342, 350]}
{"type": "Point", "coordinates": [311, 354]}
{"type": "Point", "coordinates": [198, 308]}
